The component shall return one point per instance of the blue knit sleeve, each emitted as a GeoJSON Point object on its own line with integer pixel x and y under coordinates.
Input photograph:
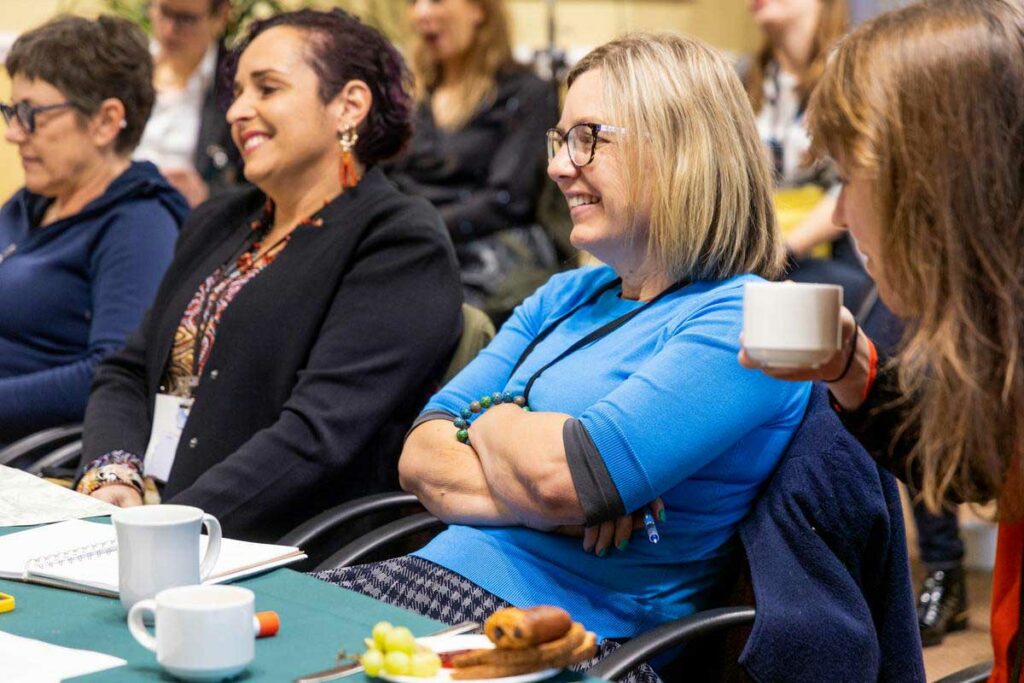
{"type": "Point", "coordinates": [687, 405]}
{"type": "Point", "coordinates": [125, 268]}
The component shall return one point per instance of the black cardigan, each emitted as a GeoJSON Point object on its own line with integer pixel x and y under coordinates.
{"type": "Point", "coordinates": [321, 362]}
{"type": "Point", "coordinates": [487, 175]}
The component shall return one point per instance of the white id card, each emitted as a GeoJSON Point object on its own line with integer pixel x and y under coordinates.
{"type": "Point", "coordinates": [169, 418]}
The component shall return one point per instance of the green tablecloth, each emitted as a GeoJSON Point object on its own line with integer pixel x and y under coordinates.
{"type": "Point", "coordinates": [317, 619]}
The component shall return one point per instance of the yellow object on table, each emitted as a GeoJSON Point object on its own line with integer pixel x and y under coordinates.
{"type": "Point", "coordinates": [6, 603]}
{"type": "Point", "coordinates": [793, 204]}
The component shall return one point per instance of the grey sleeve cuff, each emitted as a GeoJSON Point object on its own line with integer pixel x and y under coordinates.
{"type": "Point", "coordinates": [594, 486]}
{"type": "Point", "coordinates": [429, 415]}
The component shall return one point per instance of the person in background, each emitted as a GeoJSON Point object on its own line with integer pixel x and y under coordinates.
{"type": "Point", "coordinates": [304, 321]}
{"type": "Point", "coordinates": [84, 243]}
{"type": "Point", "coordinates": [628, 370]}
{"type": "Point", "coordinates": [187, 136]}
{"type": "Point", "coordinates": [935, 197]}
{"type": "Point", "coordinates": [779, 79]}
{"type": "Point", "coordinates": [798, 37]}
{"type": "Point", "coordinates": [477, 151]}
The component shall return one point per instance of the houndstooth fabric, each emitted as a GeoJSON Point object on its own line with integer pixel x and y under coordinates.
{"type": "Point", "coordinates": [433, 591]}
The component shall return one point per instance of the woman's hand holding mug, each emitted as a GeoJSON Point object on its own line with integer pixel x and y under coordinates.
{"type": "Point", "coordinates": [848, 388]}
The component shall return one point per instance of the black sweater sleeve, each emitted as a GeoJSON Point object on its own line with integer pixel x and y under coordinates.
{"type": "Point", "coordinates": [880, 424]}
{"type": "Point", "coordinates": [885, 427]}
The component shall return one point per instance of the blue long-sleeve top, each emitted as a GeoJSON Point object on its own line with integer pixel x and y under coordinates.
{"type": "Point", "coordinates": [670, 412]}
{"type": "Point", "coordinates": [70, 292]}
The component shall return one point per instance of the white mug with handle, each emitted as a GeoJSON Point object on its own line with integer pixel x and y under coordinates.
{"type": "Point", "coordinates": [203, 633]}
{"type": "Point", "coordinates": [158, 548]}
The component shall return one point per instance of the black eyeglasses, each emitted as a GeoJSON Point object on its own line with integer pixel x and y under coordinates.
{"type": "Point", "coordinates": [581, 141]}
{"type": "Point", "coordinates": [25, 113]}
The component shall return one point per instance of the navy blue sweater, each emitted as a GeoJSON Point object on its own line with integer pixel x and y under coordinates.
{"type": "Point", "coordinates": [71, 292]}
{"type": "Point", "coordinates": [828, 559]}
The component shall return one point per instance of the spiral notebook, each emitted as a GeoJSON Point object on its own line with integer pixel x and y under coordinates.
{"type": "Point", "coordinates": [82, 556]}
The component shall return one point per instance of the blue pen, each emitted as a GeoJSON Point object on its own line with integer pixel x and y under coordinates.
{"type": "Point", "coordinates": [651, 527]}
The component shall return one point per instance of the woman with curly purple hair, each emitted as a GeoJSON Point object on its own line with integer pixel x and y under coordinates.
{"type": "Point", "coordinates": [303, 321]}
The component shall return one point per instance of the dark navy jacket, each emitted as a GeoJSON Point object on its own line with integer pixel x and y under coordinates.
{"type": "Point", "coordinates": [828, 560]}
{"type": "Point", "coordinates": [71, 292]}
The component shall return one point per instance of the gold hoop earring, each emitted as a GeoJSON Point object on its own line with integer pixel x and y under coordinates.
{"type": "Point", "coordinates": [348, 174]}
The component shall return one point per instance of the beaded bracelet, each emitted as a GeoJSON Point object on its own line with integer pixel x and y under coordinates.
{"type": "Point", "coordinates": [497, 398]}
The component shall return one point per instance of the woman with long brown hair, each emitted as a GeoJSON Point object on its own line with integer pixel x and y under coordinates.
{"type": "Point", "coordinates": [477, 152]}
{"type": "Point", "coordinates": [923, 109]}
{"type": "Point", "coordinates": [798, 37]}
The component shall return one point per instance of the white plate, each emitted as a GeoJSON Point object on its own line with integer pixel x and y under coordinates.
{"type": "Point", "coordinates": [441, 644]}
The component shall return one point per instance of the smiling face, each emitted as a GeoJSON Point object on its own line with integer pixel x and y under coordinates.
{"type": "Point", "coordinates": [287, 135]}
{"type": "Point", "coordinates": [447, 27]}
{"type": "Point", "coordinates": [61, 149]}
{"type": "Point", "coordinates": [597, 193]}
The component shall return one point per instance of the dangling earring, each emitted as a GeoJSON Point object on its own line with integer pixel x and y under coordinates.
{"type": "Point", "coordinates": [348, 174]}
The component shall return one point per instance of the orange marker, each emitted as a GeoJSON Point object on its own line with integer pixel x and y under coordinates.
{"type": "Point", "coordinates": [266, 624]}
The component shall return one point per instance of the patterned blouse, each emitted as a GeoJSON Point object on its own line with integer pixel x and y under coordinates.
{"type": "Point", "coordinates": [200, 321]}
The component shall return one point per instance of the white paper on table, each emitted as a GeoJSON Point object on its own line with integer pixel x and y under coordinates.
{"type": "Point", "coordinates": [25, 660]}
{"type": "Point", "coordinates": [25, 499]}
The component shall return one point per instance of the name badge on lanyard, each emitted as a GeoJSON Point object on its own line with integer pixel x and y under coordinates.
{"type": "Point", "coordinates": [169, 418]}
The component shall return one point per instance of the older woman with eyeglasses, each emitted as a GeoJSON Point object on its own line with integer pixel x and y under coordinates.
{"type": "Point", "coordinates": [84, 244]}
{"type": "Point", "coordinates": [636, 404]}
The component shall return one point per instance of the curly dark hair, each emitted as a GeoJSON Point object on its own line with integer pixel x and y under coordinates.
{"type": "Point", "coordinates": [90, 61]}
{"type": "Point", "coordinates": [343, 49]}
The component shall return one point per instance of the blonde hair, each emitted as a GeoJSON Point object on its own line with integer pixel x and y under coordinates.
{"type": "Point", "coordinates": [489, 54]}
{"type": "Point", "coordinates": [691, 152]}
{"type": "Point", "coordinates": [833, 22]}
{"type": "Point", "coordinates": [928, 102]}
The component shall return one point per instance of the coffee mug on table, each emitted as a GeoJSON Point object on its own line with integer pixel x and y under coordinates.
{"type": "Point", "coordinates": [158, 548]}
{"type": "Point", "coordinates": [792, 324]}
{"type": "Point", "coordinates": [203, 633]}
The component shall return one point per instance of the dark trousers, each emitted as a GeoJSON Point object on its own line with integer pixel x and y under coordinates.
{"type": "Point", "coordinates": [938, 537]}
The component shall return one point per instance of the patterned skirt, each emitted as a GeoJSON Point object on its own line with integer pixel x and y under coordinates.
{"type": "Point", "coordinates": [433, 591]}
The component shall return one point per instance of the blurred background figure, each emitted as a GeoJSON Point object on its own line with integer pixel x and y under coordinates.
{"type": "Point", "coordinates": [84, 243]}
{"type": "Point", "coordinates": [187, 135]}
{"type": "Point", "coordinates": [477, 151]}
{"type": "Point", "coordinates": [798, 35]}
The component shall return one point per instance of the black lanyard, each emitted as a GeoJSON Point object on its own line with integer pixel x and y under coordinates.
{"type": "Point", "coordinates": [593, 336]}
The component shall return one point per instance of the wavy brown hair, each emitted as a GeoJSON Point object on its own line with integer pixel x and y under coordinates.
{"type": "Point", "coordinates": [490, 53]}
{"type": "Point", "coordinates": [929, 102]}
{"type": "Point", "coordinates": [832, 24]}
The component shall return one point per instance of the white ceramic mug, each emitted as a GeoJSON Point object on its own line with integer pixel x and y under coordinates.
{"type": "Point", "coordinates": [203, 633]}
{"type": "Point", "coordinates": [158, 548]}
{"type": "Point", "coordinates": [791, 324]}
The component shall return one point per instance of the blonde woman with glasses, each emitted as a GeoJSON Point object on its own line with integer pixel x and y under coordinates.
{"type": "Point", "coordinates": [636, 405]}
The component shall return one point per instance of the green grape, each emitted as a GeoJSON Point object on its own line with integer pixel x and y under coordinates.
{"type": "Point", "coordinates": [424, 665]}
{"type": "Point", "coordinates": [400, 639]}
{"type": "Point", "coordinates": [396, 663]}
{"type": "Point", "coordinates": [380, 634]}
{"type": "Point", "coordinates": [372, 661]}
